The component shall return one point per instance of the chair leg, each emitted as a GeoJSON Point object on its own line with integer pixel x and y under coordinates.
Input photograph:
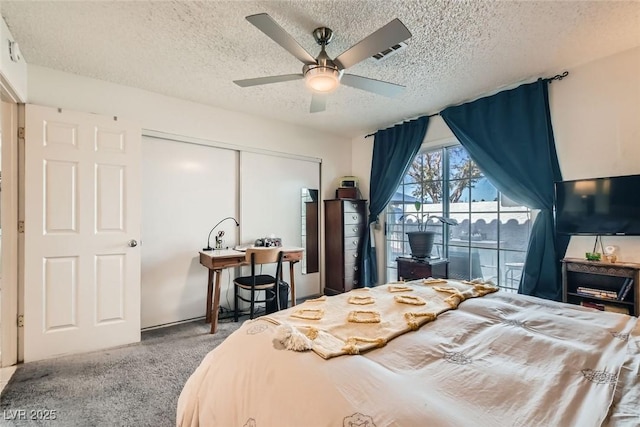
{"type": "Point", "coordinates": [235, 303]}
{"type": "Point", "coordinates": [253, 303]}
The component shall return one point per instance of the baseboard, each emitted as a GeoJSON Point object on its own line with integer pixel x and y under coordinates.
{"type": "Point", "coordinates": [164, 325]}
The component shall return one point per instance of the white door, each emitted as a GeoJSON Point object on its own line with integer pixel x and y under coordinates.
{"type": "Point", "coordinates": [82, 224]}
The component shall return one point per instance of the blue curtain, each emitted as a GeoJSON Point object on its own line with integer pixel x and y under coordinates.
{"type": "Point", "coordinates": [509, 135]}
{"type": "Point", "coordinates": [393, 151]}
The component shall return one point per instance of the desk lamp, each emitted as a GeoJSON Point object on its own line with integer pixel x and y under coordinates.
{"type": "Point", "coordinates": [208, 248]}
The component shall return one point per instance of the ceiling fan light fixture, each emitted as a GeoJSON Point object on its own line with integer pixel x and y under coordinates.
{"type": "Point", "coordinates": [322, 79]}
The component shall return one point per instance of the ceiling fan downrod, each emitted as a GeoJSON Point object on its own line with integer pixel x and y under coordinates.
{"type": "Point", "coordinates": [323, 35]}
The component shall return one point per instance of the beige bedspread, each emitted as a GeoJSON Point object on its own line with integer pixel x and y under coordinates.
{"type": "Point", "coordinates": [367, 318]}
{"type": "Point", "coordinates": [499, 360]}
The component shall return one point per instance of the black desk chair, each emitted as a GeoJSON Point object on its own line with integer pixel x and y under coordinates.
{"type": "Point", "coordinates": [259, 282]}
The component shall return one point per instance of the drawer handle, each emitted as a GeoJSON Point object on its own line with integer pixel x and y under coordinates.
{"type": "Point", "coordinates": [355, 268]}
{"type": "Point", "coordinates": [355, 205]}
{"type": "Point", "coordinates": [355, 255]}
{"type": "Point", "coordinates": [355, 282]}
{"type": "Point", "coordinates": [355, 243]}
{"type": "Point", "coordinates": [354, 216]}
{"type": "Point", "coordinates": [355, 229]}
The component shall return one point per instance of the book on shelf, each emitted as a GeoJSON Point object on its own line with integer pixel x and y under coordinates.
{"type": "Point", "coordinates": [624, 290]}
{"type": "Point", "coordinates": [590, 304]}
{"type": "Point", "coordinates": [605, 307]}
{"type": "Point", "coordinates": [598, 293]}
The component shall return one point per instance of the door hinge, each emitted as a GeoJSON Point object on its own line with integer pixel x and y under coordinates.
{"type": "Point", "coordinates": [21, 321]}
{"type": "Point", "coordinates": [21, 132]}
{"type": "Point", "coordinates": [20, 226]}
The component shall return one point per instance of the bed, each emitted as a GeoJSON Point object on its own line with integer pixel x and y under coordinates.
{"type": "Point", "coordinates": [485, 359]}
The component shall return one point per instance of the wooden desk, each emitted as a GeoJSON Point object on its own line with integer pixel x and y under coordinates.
{"type": "Point", "coordinates": [219, 259]}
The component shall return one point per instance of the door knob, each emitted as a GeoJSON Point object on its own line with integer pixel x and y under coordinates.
{"type": "Point", "coordinates": [132, 243]}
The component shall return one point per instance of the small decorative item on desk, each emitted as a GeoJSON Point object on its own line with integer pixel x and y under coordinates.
{"type": "Point", "coordinates": [269, 242]}
{"type": "Point", "coordinates": [592, 256]}
{"type": "Point", "coordinates": [219, 239]}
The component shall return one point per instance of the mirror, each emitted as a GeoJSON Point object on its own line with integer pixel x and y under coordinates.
{"type": "Point", "coordinates": [310, 218]}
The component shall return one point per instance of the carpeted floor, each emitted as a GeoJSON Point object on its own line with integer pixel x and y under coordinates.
{"type": "Point", "coordinates": [135, 385]}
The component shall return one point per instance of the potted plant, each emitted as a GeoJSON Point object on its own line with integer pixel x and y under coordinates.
{"type": "Point", "coordinates": [421, 241]}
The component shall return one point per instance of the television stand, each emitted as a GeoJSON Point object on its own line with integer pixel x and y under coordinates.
{"type": "Point", "coordinates": [602, 285]}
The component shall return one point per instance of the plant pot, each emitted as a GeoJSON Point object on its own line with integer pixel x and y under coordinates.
{"type": "Point", "coordinates": [421, 243]}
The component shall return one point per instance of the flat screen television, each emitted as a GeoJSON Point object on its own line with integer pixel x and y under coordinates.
{"type": "Point", "coordinates": [598, 206]}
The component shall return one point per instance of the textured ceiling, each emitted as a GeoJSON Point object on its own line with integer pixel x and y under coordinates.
{"type": "Point", "coordinates": [193, 50]}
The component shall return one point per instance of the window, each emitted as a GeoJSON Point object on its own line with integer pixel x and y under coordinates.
{"type": "Point", "coordinates": [490, 240]}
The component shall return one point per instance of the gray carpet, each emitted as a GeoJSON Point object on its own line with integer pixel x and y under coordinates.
{"type": "Point", "coordinates": [135, 385]}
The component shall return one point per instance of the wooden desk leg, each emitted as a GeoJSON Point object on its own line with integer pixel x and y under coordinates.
{"type": "Point", "coordinates": [209, 296]}
{"type": "Point", "coordinates": [293, 283]}
{"type": "Point", "coordinates": [216, 303]}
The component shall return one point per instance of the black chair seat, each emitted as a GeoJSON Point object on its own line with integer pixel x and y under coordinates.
{"type": "Point", "coordinates": [261, 280]}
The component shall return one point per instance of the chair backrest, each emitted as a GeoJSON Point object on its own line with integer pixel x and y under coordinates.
{"type": "Point", "coordinates": [263, 255]}
{"type": "Point", "coordinates": [269, 255]}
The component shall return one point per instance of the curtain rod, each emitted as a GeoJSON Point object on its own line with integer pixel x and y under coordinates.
{"type": "Point", "coordinates": [550, 80]}
{"type": "Point", "coordinates": [430, 115]}
{"type": "Point", "coordinates": [558, 77]}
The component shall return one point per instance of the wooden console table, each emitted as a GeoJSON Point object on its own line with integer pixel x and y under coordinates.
{"type": "Point", "coordinates": [218, 259]}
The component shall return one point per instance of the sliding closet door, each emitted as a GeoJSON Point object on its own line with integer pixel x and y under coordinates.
{"type": "Point", "coordinates": [186, 189]}
{"type": "Point", "coordinates": [270, 204]}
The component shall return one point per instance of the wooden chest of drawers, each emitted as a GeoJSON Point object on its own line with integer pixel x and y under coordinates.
{"type": "Point", "coordinates": [345, 223]}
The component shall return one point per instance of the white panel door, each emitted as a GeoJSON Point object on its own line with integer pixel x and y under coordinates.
{"type": "Point", "coordinates": [82, 224]}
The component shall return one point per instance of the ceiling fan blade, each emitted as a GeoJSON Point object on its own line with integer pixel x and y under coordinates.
{"type": "Point", "coordinates": [371, 85]}
{"type": "Point", "coordinates": [318, 102]}
{"type": "Point", "coordinates": [271, 28]}
{"type": "Point", "coordinates": [267, 80]}
{"type": "Point", "coordinates": [389, 35]}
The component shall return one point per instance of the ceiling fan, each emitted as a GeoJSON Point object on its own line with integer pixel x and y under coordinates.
{"type": "Point", "coordinates": [323, 74]}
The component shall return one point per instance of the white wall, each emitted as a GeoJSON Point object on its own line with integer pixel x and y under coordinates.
{"type": "Point", "coordinates": [595, 113]}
